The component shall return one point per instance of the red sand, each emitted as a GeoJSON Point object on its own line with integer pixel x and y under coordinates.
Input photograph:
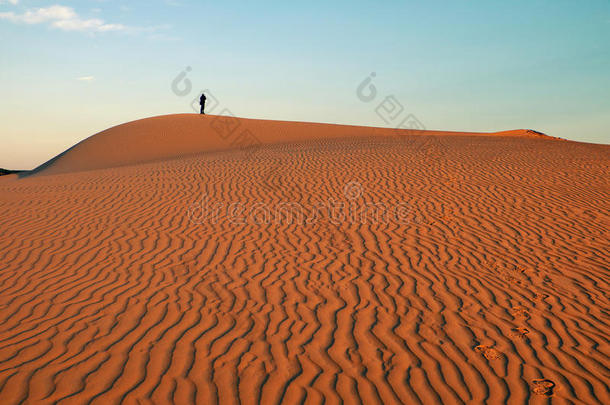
{"type": "Point", "coordinates": [493, 286]}
{"type": "Point", "coordinates": [171, 136]}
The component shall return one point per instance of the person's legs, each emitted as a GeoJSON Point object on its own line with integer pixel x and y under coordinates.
{"type": "Point", "coordinates": [203, 108]}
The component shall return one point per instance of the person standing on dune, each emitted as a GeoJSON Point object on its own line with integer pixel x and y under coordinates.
{"type": "Point", "coordinates": [202, 103]}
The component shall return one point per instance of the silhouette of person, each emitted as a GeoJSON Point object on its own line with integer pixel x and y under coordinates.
{"type": "Point", "coordinates": [202, 103]}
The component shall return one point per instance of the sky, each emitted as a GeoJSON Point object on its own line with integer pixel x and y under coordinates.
{"type": "Point", "coordinates": [69, 69]}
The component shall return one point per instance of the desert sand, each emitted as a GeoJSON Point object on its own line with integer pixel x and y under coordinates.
{"type": "Point", "coordinates": [184, 259]}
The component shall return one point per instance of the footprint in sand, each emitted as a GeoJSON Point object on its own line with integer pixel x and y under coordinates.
{"type": "Point", "coordinates": [338, 240]}
{"type": "Point", "coordinates": [543, 387]}
{"type": "Point", "coordinates": [511, 272]}
{"type": "Point", "coordinates": [489, 352]}
{"type": "Point", "coordinates": [520, 312]}
{"type": "Point", "coordinates": [540, 296]}
{"type": "Point", "coordinates": [519, 332]}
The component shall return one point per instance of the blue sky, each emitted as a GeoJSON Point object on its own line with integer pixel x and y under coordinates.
{"type": "Point", "coordinates": [69, 69]}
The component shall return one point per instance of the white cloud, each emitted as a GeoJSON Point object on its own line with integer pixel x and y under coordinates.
{"type": "Point", "coordinates": [13, 2]}
{"type": "Point", "coordinates": [86, 78]}
{"type": "Point", "coordinates": [62, 17]}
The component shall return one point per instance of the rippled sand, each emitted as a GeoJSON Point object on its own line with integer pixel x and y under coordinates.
{"type": "Point", "coordinates": [213, 274]}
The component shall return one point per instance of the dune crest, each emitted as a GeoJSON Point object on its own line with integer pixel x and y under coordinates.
{"type": "Point", "coordinates": [173, 136]}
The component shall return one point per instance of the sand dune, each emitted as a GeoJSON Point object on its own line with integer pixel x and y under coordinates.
{"type": "Point", "coordinates": [6, 172]}
{"type": "Point", "coordinates": [172, 136]}
{"type": "Point", "coordinates": [182, 279]}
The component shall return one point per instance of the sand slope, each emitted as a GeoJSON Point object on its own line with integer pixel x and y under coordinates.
{"type": "Point", "coordinates": [172, 136]}
{"type": "Point", "coordinates": [491, 286]}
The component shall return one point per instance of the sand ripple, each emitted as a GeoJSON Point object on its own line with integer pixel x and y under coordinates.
{"type": "Point", "coordinates": [495, 289]}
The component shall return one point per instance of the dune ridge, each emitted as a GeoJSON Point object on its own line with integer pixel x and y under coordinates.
{"type": "Point", "coordinates": [178, 135]}
{"type": "Point", "coordinates": [492, 287]}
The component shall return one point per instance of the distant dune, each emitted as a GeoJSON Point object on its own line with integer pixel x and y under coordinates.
{"type": "Point", "coordinates": [169, 261]}
{"type": "Point", "coordinates": [5, 172]}
{"type": "Point", "coordinates": [172, 136]}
